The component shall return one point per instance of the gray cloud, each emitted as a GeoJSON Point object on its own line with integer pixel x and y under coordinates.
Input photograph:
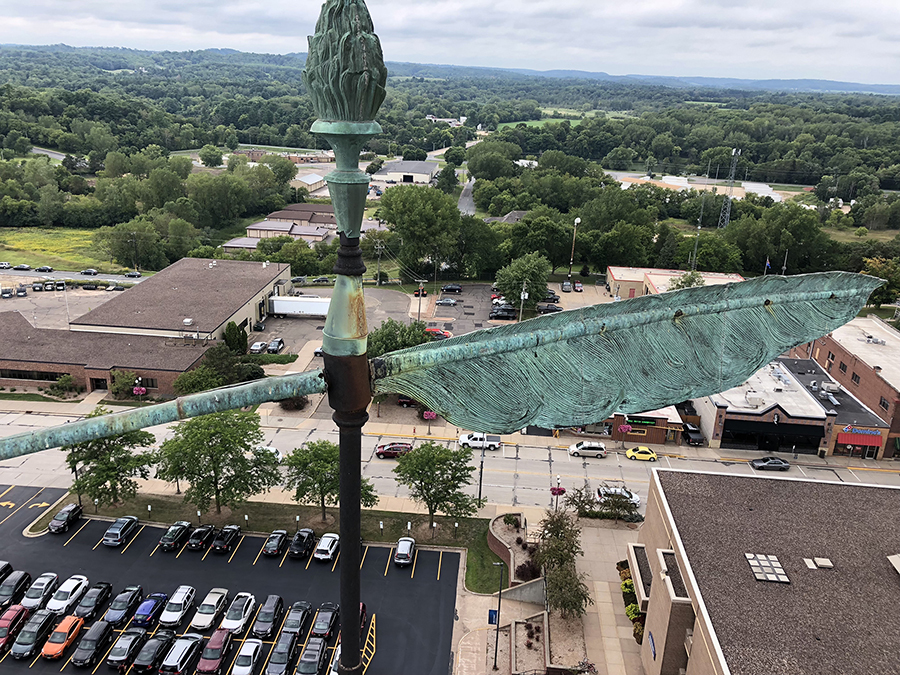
{"type": "Point", "coordinates": [759, 39]}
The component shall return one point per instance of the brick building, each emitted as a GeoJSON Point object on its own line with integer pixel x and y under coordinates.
{"type": "Point", "coordinates": [633, 282]}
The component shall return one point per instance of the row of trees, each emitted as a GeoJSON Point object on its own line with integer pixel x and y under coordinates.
{"type": "Point", "coordinates": [220, 458]}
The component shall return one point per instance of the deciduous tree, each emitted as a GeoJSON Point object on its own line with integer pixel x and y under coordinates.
{"type": "Point", "coordinates": [392, 335]}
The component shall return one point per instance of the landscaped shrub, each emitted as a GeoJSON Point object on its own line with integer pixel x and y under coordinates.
{"type": "Point", "coordinates": [633, 612]}
{"type": "Point", "coordinates": [528, 570]}
{"type": "Point", "coordinates": [519, 541]}
{"type": "Point", "coordinates": [625, 574]}
{"type": "Point", "coordinates": [511, 520]}
{"type": "Point", "coordinates": [638, 632]}
{"type": "Point", "coordinates": [529, 644]}
{"type": "Point", "coordinates": [295, 403]}
{"type": "Point", "coordinates": [628, 586]}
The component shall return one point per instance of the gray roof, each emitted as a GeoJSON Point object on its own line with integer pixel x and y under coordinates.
{"type": "Point", "coordinates": [840, 620]}
{"type": "Point", "coordinates": [248, 243]}
{"type": "Point", "coordinates": [511, 217]}
{"type": "Point", "coordinates": [314, 208]}
{"type": "Point", "coordinates": [408, 167]}
{"type": "Point", "coordinates": [30, 347]}
{"type": "Point", "coordinates": [188, 288]}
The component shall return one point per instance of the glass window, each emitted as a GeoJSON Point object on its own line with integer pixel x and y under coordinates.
{"type": "Point", "coordinates": [855, 378]}
{"type": "Point", "coordinates": [149, 383]}
{"type": "Point", "coordinates": [843, 367]}
{"type": "Point", "coordinates": [884, 403]}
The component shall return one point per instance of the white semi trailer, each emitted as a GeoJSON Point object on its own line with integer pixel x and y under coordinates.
{"type": "Point", "coordinates": [304, 305]}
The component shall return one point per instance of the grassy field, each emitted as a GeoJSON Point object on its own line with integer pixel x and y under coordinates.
{"type": "Point", "coordinates": [537, 123]}
{"type": "Point", "coordinates": [61, 248]}
{"type": "Point", "coordinates": [481, 575]}
{"type": "Point", "coordinates": [884, 312]}
{"type": "Point", "coordinates": [849, 235]}
{"type": "Point", "coordinates": [14, 396]}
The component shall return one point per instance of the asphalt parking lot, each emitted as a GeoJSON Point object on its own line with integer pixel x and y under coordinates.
{"type": "Point", "coordinates": [413, 607]}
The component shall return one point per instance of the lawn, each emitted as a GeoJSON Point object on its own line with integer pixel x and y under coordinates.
{"type": "Point", "coordinates": [61, 248]}
{"type": "Point", "coordinates": [481, 575]}
{"type": "Point", "coordinates": [845, 236]}
{"type": "Point", "coordinates": [14, 396]}
{"type": "Point", "coordinates": [886, 312]}
{"type": "Point", "coordinates": [537, 123]}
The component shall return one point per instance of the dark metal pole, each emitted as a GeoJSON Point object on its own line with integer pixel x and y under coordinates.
{"type": "Point", "coordinates": [499, 598]}
{"type": "Point", "coordinates": [481, 472]}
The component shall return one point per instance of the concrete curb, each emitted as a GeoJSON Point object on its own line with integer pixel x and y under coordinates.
{"type": "Point", "coordinates": [26, 532]}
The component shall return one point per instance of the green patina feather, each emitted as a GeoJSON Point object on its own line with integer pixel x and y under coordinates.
{"type": "Point", "coordinates": [578, 367]}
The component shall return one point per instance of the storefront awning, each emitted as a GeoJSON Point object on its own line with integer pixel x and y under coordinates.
{"type": "Point", "coordinates": [859, 439]}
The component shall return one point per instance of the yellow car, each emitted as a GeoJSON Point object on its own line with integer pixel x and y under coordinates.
{"type": "Point", "coordinates": [641, 452]}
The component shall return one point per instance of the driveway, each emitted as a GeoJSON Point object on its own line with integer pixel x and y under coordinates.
{"type": "Point", "coordinates": [466, 203]}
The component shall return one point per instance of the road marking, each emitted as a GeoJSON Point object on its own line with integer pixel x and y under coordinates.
{"type": "Point", "coordinates": [40, 505]}
{"type": "Point", "coordinates": [388, 563]}
{"type": "Point", "coordinates": [803, 472]}
{"type": "Point", "coordinates": [309, 632]}
{"type": "Point", "coordinates": [272, 648]}
{"type": "Point", "coordinates": [154, 550]}
{"type": "Point", "coordinates": [364, 557]}
{"type": "Point", "coordinates": [77, 531]}
{"type": "Point", "coordinates": [67, 662]}
{"type": "Point", "coordinates": [98, 543]}
{"type": "Point", "coordinates": [181, 551]}
{"type": "Point", "coordinates": [336, 558]}
{"type": "Point", "coordinates": [236, 548]}
{"type": "Point", "coordinates": [260, 553]}
{"type": "Point", "coordinates": [207, 553]}
{"type": "Point", "coordinates": [35, 659]}
{"type": "Point", "coordinates": [440, 561]}
{"type": "Point", "coordinates": [103, 660]}
{"type": "Point", "coordinates": [309, 561]}
{"type": "Point", "coordinates": [415, 559]}
{"type": "Point", "coordinates": [131, 542]}
{"type": "Point", "coordinates": [3, 494]}
{"type": "Point", "coordinates": [8, 505]}
{"type": "Point", "coordinates": [7, 653]}
{"type": "Point", "coordinates": [285, 557]}
{"type": "Point", "coordinates": [21, 507]}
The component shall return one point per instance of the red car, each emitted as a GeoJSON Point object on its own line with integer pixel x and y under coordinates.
{"type": "Point", "coordinates": [214, 655]}
{"type": "Point", "coordinates": [578, 287]}
{"type": "Point", "coordinates": [392, 449]}
{"type": "Point", "coordinates": [438, 334]}
{"type": "Point", "coordinates": [11, 623]}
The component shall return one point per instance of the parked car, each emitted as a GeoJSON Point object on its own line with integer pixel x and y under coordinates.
{"type": "Point", "coordinates": [153, 652]}
{"type": "Point", "coordinates": [11, 622]}
{"type": "Point", "coordinates": [392, 449]}
{"type": "Point", "coordinates": [335, 660]}
{"type": "Point", "coordinates": [498, 301]}
{"type": "Point", "coordinates": [125, 650]}
{"type": "Point", "coordinates": [201, 538]}
{"type": "Point", "coordinates": [423, 291]}
{"type": "Point", "coordinates": [406, 550]}
{"type": "Point", "coordinates": [282, 656]}
{"type": "Point", "coordinates": [210, 610]}
{"type": "Point", "coordinates": [94, 600]}
{"type": "Point", "coordinates": [133, 274]}
{"type": "Point", "coordinates": [326, 618]}
{"type": "Point", "coordinates": [120, 531]}
{"type": "Point", "coordinates": [451, 288]}
{"type": "Point", "coordinates": [587, 449]}
{"type": "Point", "coordinates": [692, 434]}
{"type": "Point", "coordinates": [275, 346]}
{"type": "Point", "coordinates": [68, 595]}
{"type": "Point", "coordinates": [49, 285]}
{"type": "Point", "coordinates": [577, 287]}
{"type": "Point", "coordinates": [227, 539]}
{"type": "Point", "coordinates": [551, 296]}
{"type": "Point", "coordinates": [22, 267]}
{"type": "Point", "coordinates": [247, 658]}
{"type": "Point", "coordinates": [93, 645]}
{"type": "Point", "coordinates": [5, 569]}
{"type": "Point", "coordinates": [215, 652]}
{"type": "Point", "coordinates": [318, 351]}
{"type": "Point", "coordinates": [90, 272]}
{"type": "Point", "coordinates": [6, 293]}
{"type": "Point", "coordinates": [33, 634]}
{"type": "Point", "coordinates": [297, 617]}
{"type": "Point", "coordinates": [37, 286]}
{"type": "Point", "coordinates": [605, 491]}
{"type": "Point", "coordinates": [124, 605]}
{"type": "Point", "coordinates": [43, 268]}
{"type": "Point", "coordinates": [239, 613]}
{"type": "Point", "coordinates": [13, 588]}
{"type": "Point", "coordinates": [321, 280]}
{"type": "Point", "coordinates": [446, 302]}
{"type": "Point", "coordinates": [258, 347]}
{"type": "Point", "coordinates": [5, 266]}
{"type": "Point", "coordinates": [438, 334]}
{"type": "Point", "coordinates": [276, 543]}
{"type": "Point", "coordinates": [183, 655]}
{"type": "Point", "coordinates": [21, 292]}
{"type": "Point", "coordinates": [59, 285]}
{"type": "Point", "coordinates": [65, 518]}
{"type": "Point", "coordinates": [176, 536]}
{"type": "Point", "coordinates": [147, 614]}
{"type": "Point", "coordinates": [179, 605]}
{"type": "Point", "coordinates": [641, 452]}
{"type": "Point", "coordinates": [269, 618]}
{"type": "Point", "coordinates": [328, 547]}
{"type": "Point", "coordinates": [275, 452]}
{"type": "Point", "coordinates": [566, 287]}
{"type": "Point", "coordinates": [62, 637]}
{"type": "Point", "coordinates": [302, 544]}
{"type": "Point", "coordinates": [406, 402]}
{"type": "Point", "coordinates": [313, 658]}
{"type": "Point", "coordinates": [502, 315]}
{"type": "Point", "coordinates": [548, 309]}
{"type": "Point", "coordinates": [40, 591]}
{"type": "Point", "coordinates": [770, 464]}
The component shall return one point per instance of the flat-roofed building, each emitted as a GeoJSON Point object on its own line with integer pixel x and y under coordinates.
{"type": "Point", "coordinates": [863, 356]}
{"type": "Point", "coordinates": [192, 297]}
{"type": "Point", "coordinates": [408, 172]}
{"type": "Point", "coordinates": [753, 575]}
{"type": "Point", "coordinates": [633, 282]}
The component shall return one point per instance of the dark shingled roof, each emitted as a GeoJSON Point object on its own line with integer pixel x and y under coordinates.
{"type": "Point", "coordinates": [185, 289]}
{"type": "Point", "coordinates": [840, 620]}
{"type": "Point", "coordinates": [31, 346]}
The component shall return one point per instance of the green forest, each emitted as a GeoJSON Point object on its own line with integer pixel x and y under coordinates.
{"type": "Point", "coordinates": [120, 116]}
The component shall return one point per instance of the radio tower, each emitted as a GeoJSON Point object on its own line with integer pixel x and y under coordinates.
{"type": "Point", "coordinates": [725, 216]}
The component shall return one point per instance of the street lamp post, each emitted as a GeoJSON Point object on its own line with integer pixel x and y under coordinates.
{"type": "Point", "coordinates": [556, 507]}
{"type": "Point", "coordinates": [572, 257]}
{"type": "Point", "coordinates": [499, 598]}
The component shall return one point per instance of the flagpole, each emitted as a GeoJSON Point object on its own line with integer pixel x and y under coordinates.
{"type": "Point", "coordinates": [784, 267]}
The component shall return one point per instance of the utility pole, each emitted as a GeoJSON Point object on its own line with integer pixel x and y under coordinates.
{"type": "Point", "coordinates": [421, 290]}
{"type": "Point", "coordinates": [725, 215]}
{"type": "Point", "coordinates": [379, 248]}
{"type": "Point", "coordinates": [784, 266]}
{"type": "Point", "coordinates": [522, 296]}
{"type": "Point", "coordinates": [572, 257]}
{"type": "Point", "coordinates": [480, 472]}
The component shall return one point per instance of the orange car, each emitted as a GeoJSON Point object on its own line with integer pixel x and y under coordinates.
{"type": "Point", "coordinates": [62, 636]}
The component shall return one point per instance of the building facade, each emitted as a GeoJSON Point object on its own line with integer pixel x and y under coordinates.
{"type": "Point", "coordinates": [633, 282]}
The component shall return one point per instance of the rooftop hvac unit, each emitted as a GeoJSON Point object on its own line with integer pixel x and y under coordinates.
{"type": "Point", "coordinates": [188, 322]}
{"type": "Point", "coordinates": [831, 387]}
{"type": "Point", "coordinates": [754, 399]}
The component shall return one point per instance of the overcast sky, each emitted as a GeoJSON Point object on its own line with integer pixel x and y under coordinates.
{"type": "Point", "coordinates": [851, 40]}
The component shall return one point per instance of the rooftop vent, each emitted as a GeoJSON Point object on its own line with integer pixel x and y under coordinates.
{"type": "Point", "coordinates": [818, 563]}
{"type": "Point", "coordinates": [767, 568]}
{"type": "Point", "coordinates": [831, 386]}
{"type": "Point", "coordinates": [895, 561]}
{"type": "Point", "coordinates": [188, 322]}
